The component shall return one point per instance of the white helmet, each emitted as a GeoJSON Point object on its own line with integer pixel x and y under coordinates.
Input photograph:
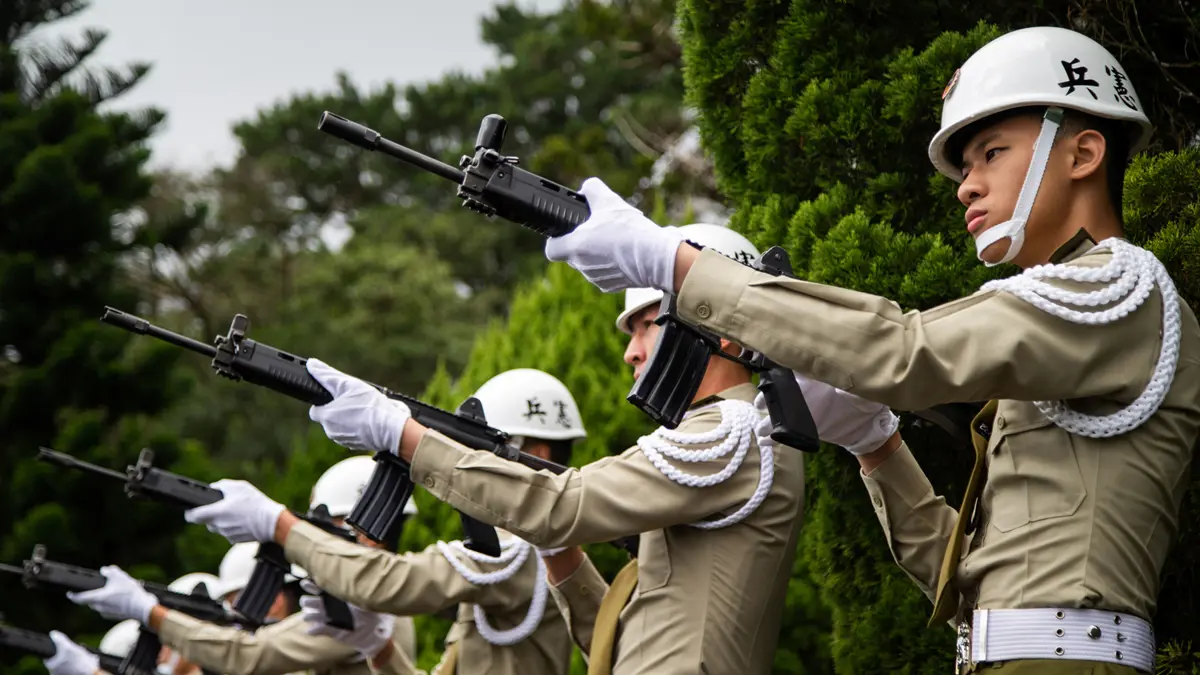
{"type": "Point", "coordinates": [120, 639]}
{"type": "Point", "coordinates": [343, 483]}
{"type": "Point", "coordinates": [531, 403]}
{"type": "Point", "coordinates": [717, 237]}
{"type": "Point", "coordinates": [237, 566]}
{"type": "Point", "coordinates": [188, 583]}
{"type": "Point", "coordinates": [1044, 66]}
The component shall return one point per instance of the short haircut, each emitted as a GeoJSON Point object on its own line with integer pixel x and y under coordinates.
{"type": "Point", "coordinates": [1116, 139]}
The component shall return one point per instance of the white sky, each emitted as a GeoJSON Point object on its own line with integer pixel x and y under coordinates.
{"type": "Point", "coordinates": [217, 62]}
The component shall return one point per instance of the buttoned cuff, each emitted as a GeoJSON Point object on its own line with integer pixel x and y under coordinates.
{"type": "Point", "coordinates": [177, 627]}
{"type": "Point", "coordinates": [433, 463]}
{"type": "Point", "coordinates": [712, 289]}
{"type": "Point", "coordinates": [898, 484]}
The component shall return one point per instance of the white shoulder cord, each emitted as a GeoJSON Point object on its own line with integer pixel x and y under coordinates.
{"type": "Point", "coordinates": [1136, 271]}
{"type": "Point", "coordinates": [736, 430]}
{"type": "Point", "coordinates": [514, 552]}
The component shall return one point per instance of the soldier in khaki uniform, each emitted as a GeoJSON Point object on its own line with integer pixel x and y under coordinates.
{"type": "Point", "coordinates": [717, 519]}
{"type": "Point", "coordinates": [286, 646]}
{"type": "Point", "coordinates": [1089, 358]}
{"type": "Point", "coordinates": [505, 624]}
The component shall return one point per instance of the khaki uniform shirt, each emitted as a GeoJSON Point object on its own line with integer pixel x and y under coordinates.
{"type": "Point", "coordinates": [426, 583]}
{"type": "Point", "coordinates": [1069, 521]}
{"type": "Point", "coordinates": [707, 600]}
{"type": "Point", "coordinates": [283, 647]}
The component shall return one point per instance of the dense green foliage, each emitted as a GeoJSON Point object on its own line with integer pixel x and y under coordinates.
{"type": "Point", "coordinates": [816, 116]}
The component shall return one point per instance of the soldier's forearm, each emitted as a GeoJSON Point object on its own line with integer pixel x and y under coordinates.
{"type": "Point", "coordinates": [410, 438]}
{"type": "Point", "coordinates": [564, 564]}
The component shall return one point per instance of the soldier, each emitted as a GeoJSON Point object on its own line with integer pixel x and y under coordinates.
{"type": "Point", "coordinates": [285, 646]}
{"type": "Point", "coordinates": [717, 517]}
{"type": "Point", "coordinates": [1089, 358]}
{"type": "Point", "coordinates": [504, 624]}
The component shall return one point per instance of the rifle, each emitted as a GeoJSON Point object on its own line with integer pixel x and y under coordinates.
{"type": "Point", "coordinates": [142, 659]}
{"type": "Point", "coordinates": [144, 480]}
{"type": "Point", "coordinates": [41, 646]}
{"type": "Point", "coordinates": [492, 184]}
{"type": "Point", "coordinates": [378, 513]}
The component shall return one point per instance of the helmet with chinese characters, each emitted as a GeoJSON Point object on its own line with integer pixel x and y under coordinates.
{"type": "Point", "coordinates": [1037, 67]}
{"type": "Point", "coordinates": [531, 403]}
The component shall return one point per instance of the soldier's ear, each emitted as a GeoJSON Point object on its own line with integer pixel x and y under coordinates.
{"type": "Point", "coordinates": [1088, 149]}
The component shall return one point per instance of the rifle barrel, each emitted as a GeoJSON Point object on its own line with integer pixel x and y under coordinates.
{"type": "Point", "coordinates": [135, 324]}
{"type": "Point", "coordinates": [369, 139]}
{"type": "Point", "coordinates": [12, 569]}
{"type": "Point", "coordinates": [55, 457]}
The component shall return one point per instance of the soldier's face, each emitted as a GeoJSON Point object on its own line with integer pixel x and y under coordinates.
{"type": "Point", "coordinates": [995, 162]}
{"type": "Point", "coordinates": [645, 336]}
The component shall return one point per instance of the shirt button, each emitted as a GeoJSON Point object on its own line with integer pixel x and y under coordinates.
{"type": "Point", "coordinates": [429, 481]}
{"type": "Point", "coordinates": [878, 502]}
{"type": "Point", "coordinates": [1000, 422]}
{"type": "Point", "coordinates": [703, 310]}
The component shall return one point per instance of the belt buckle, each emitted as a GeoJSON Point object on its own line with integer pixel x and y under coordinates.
{"type": "Point", "coordinates": [962, 648]}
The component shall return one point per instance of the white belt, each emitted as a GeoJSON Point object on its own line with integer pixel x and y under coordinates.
{"type": "Point", "coordinates": [1068, 634]}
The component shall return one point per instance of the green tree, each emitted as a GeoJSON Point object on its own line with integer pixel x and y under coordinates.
{"type": "Point", "coordinates": [67, 175]}
{"type": "Point", "coordinates": [818, 123]}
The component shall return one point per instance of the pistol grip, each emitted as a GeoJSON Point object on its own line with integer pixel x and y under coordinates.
{"type": "Point", "coordinates": [337, 612]}
{"type": "Point", "coordinates": [479, 537]}
{"type": "Point", "coordinates": [791, 422]}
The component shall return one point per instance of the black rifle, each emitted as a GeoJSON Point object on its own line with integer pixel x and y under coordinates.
{"type": "Point", "coordinates": [41, 646]}
{"type": "Point", "coordinates": [378, 513]}
{"type": "Point", "coordinates": [141, 660]}
{"type": "Point", "coordinates": [266, 580]}
{"type": "Point", "coordinates": [379, 516]}
{"type": "Point", "coordinates": [492, 184]}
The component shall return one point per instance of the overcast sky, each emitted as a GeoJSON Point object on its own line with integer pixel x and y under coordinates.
{"type": "Point", "coordinates": [217, 62]}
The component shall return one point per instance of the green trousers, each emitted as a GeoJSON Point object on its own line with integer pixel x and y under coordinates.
{"type": "Point", "coordinates": [1053, 667]}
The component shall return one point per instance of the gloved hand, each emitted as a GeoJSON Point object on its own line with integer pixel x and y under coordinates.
{"type": "Point", "coordinates": [69, 658]}
{"type": "Point", "coordinates": [243, 514]}
{"type": "Point", "coordinates": [371, 633]}
{"type": "Point", "coordinates": [858, 425]}
{"type": "Point", "coordinates": [359, 417]}
{"type": "Point", "coordinates": [120, 598]}
{"type": "Point", "coordinates": [618, 247]}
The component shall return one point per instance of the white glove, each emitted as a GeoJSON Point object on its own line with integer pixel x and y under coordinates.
{"type": "Point", "coordinates": [359, 417]}
{"type": "Point", "coordinates": [69, 658]}
{"type": "Point", "coordinates": [243, 514]}
{"type": "Point", "coordinates": [617, 247]}
{"type": "Point", "coordinates": [858, 425]}
{"type": "Point", "coordinates": [372, 630]}
{"type": "Point", "coordinates": [120, 598]}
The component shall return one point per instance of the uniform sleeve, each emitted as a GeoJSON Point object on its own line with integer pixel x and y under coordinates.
{"type": "Point", "coordinates": [917, 522]}
{"type": "Point", "coordinates": [398, 662]}
{"type": "Point", "coordinates": [582, 506]}
{"type": "Point", "coordinates": [990, 345]}
{"type": "Point", "coordinates": [381, 581]}
{"type": "Point", "coordinates": [279, 648]}
{"type": "Point", "coordinates": [404, 636]}
{"type": "Point", "coordinates": [578, 598]}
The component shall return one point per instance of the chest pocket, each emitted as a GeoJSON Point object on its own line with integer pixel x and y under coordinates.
{"type": "Point", "coordinates": [1034, 473]}
{"type": "Point", "coordinates": [654, 561]}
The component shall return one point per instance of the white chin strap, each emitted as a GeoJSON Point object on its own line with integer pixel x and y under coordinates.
{"type": "Point", "coordinates": [1014, 228]}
